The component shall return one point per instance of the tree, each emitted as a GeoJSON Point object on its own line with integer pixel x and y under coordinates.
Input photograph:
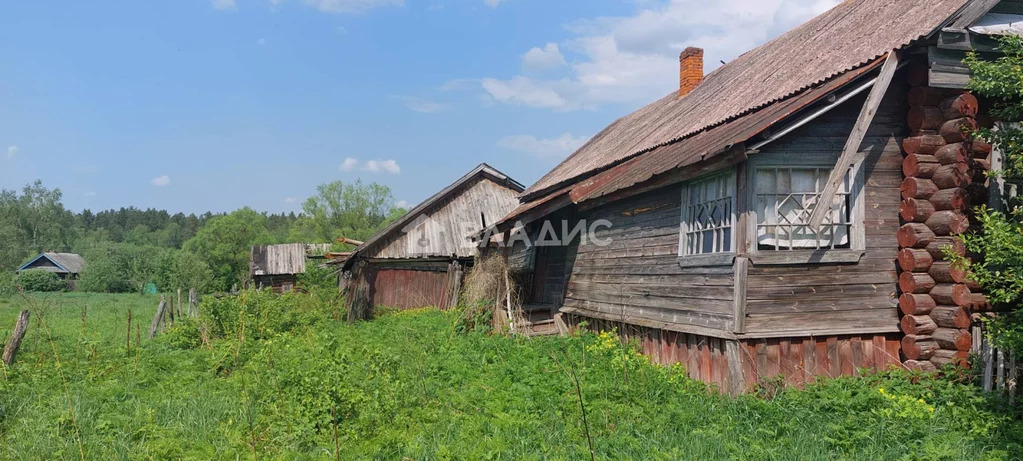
{"type": "Point", "coordinates": [183, 269]}
{"type": "Point", "coordinates": [354, 210]}
{"type": "Point", "coordinates": [32, 222]}
{"type": "Point", "coordinates": [224, 243]}
{"type": "Point", "coordinates": [999, 241]}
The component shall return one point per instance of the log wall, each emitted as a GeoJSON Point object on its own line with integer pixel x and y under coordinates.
{"type": "Point", "coordinates": [944, 177]}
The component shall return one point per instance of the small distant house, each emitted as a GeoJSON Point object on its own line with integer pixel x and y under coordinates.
{"type": "Point", "coordinates": [278, 266]}
{"type": "Point", "coordinates": [417, 261]}
{"type": "Point", "coordinates": [67, 266]}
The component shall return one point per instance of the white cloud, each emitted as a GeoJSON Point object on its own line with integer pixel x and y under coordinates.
{"type": "Point", "coordinates": [350, 6]}
{"type": "Point", "coordinates": [401, 204]}
{"type": "Point", "coordinates": [12, 151]}
{"type": "Point", "coordinates": [634, 59]}
{"type": "Point", "coordinates": [558, 147]}
{"type": "Point", "coordinates": [382, 166]}
{"type": "Point", "coordinates": [261, 41]}
{"type": "Point", "coordinates": [161, 181]}
{"type": "Point", "coordinates": [348, 165]}
{"type": "Point", "coordinates": [420, 105]}
{"type": "Point", "coordinates": [540, 59]}
{"type": "Point", "coordinates": [290, 200]}
{"type": "Point", "coordinates": [224, 5]}
{"type": "Point", "coordinates": [372, 166]}
{"type": "Point", "coordinates": [492, 3]}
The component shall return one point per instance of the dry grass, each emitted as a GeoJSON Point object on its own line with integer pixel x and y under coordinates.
{"type": "Point", "coordinates": [488, 285]}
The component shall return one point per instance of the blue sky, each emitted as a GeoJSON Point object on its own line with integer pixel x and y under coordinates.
{"type": "Point", "coordinates": [217, 104]}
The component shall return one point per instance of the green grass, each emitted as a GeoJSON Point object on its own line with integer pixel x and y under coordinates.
{"type": "Point", "coordinates": [280, 380]}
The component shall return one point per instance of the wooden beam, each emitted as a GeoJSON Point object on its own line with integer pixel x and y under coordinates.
{"type": "Point", "coordinates": [851, 155]}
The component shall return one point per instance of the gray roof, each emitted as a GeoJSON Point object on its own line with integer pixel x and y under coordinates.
{"type": "Point", "coordinates": [481, 170]}
{"type": "Point", "coordinates": [848, 36]}
{"type": "Point", "coordinates": [69, 262]}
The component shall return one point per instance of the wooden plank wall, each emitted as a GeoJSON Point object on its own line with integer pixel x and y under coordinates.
{"type": "Point", "coordinates": [638, 275]}
{"type": "Point", "coordinates": [796, 361]}
{"type": "Point", "coordinates": [409, 288]}
{"type": "Point", "coordinates": [446, 227]}
{"type": "Point", "coordinates": [704, 357]}
{"type": "Point", "coordinates": [836, 298]}
{"type": "Point", "coordinates": [800, 361]}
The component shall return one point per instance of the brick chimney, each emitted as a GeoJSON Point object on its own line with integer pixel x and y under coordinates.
{"type": "Point", "coordinates": [690, 70]}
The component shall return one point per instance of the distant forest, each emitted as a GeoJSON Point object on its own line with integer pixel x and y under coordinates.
{"type": "Point", "coordinates": [129, 248]}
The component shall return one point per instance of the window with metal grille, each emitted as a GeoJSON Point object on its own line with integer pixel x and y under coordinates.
{"type": "Point", "coordinates": [784, 198]}
{"type": "Point", "coordinates": [708, 212]}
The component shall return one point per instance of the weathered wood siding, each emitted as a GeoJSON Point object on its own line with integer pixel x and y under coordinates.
{"type": "Point", "coordinates": [800, 361]}
{"type": "Point", "coordinates": [705, 358]}
{"type": "Point", "coordinates": [444, 229]}
{"type": "Point", "coordinates": [278, 283]}
{"type": "Point", "coordinates": [814, 299]}
{"type": "Point", "coordinates": [410, 285]}
{"type": "Point", "coordinates": [736, 366]}
{"type": "Point", "coordinates": [637, 275]}
{"type": "Point", "coordinates": [283, 259]}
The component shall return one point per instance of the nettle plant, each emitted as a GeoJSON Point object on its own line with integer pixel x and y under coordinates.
{"type": "Point", "coordinates": [999, 239]}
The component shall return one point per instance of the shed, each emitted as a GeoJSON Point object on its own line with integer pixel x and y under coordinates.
{"type": "Point", "coordinates": [418, 260]}
{"type": "Point", "coordinates": [278, 266]}
{"type": "Point", "coordinates": [715, 253]}
{"type": "Point", "coordinates": [67, 266]}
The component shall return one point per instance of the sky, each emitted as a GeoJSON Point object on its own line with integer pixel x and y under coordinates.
{"type": "Point", "coordinates": [212, 105]}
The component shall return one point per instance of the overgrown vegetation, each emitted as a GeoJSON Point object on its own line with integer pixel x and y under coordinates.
{"type": "Point", "coordinates": [126, 250]}
{"type": "Point", "coordinates": [262, 376]}
{"type": "Point", "coordinates": [999, 242]}
{"type": "Point", "coordinates": [38, 280]}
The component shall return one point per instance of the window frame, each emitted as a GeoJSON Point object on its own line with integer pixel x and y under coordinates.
{"type": "Point", "coordinates": [721, 258]}
{"type": "Point", "coordinates": [857, 243]}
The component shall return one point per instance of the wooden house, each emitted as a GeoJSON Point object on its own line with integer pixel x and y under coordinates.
{"type": "Point", "coordinates": [418, 260]}
{"type": "Point", "coordinates": [67, 266]}
{"type": "Point", "coordinates": [711, 248]}
{"type": "Point", "coordinates": [278, 266]}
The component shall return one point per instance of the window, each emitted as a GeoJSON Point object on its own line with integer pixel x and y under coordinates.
{"type": "Point", "coordinates": [784, 199]}
{"type": "Point", "coordinates": [708, 212]}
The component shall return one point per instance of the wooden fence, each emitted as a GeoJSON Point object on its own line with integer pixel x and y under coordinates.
{"type": "Point", "coordinates": [999, 369]}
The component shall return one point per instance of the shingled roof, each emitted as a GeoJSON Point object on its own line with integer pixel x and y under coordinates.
{"type": "Point", "coordinates": [70, 263]}
{"type": "Point", "coordinates": [850, 36]}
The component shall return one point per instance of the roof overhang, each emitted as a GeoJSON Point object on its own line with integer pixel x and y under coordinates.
{"type": "Point", "coordinates": [37, 258]}
{"type": "Point", "coordinates": [702, 153]}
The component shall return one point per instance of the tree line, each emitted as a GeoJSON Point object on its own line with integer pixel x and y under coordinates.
{"type": "Point", "coordinates": [129, 248]}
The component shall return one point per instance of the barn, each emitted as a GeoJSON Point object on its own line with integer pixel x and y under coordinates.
{"type": "Point", "coordinates": [67, 266]}
{"type": "Point", "coordinates": [703, 237]}
{"type": "Point", "coordinates": [419, 260]}
{"type": "Point", "coordinates": [278, 266]}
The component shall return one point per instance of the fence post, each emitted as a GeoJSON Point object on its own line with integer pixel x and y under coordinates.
{"type": "Point", "coordinates": [158, 317]}
{"type": "Point", "coordinates": [11, 350]}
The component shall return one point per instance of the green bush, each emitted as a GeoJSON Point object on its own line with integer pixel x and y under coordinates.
{"type": "Point", "coordinates": [7, 285]}
{"type": "Point", "coordinates": [259, 314]}
{"type": "Point", "coordinates": [40, 280]}
{"type": "Point", "coordinates": [102, 275]}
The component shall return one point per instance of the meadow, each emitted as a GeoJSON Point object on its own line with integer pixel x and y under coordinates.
{"type": "Point", "coordinates": [260, 376]}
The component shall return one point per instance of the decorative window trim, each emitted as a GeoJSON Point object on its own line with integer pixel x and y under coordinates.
{"type": "Point", "coordinates": [857, 243]}
{"type": "Point", "coordinates": [713, 258]}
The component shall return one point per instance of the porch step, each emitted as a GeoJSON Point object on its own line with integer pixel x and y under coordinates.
{"type": "Point", "coordinates": [541, 328]}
